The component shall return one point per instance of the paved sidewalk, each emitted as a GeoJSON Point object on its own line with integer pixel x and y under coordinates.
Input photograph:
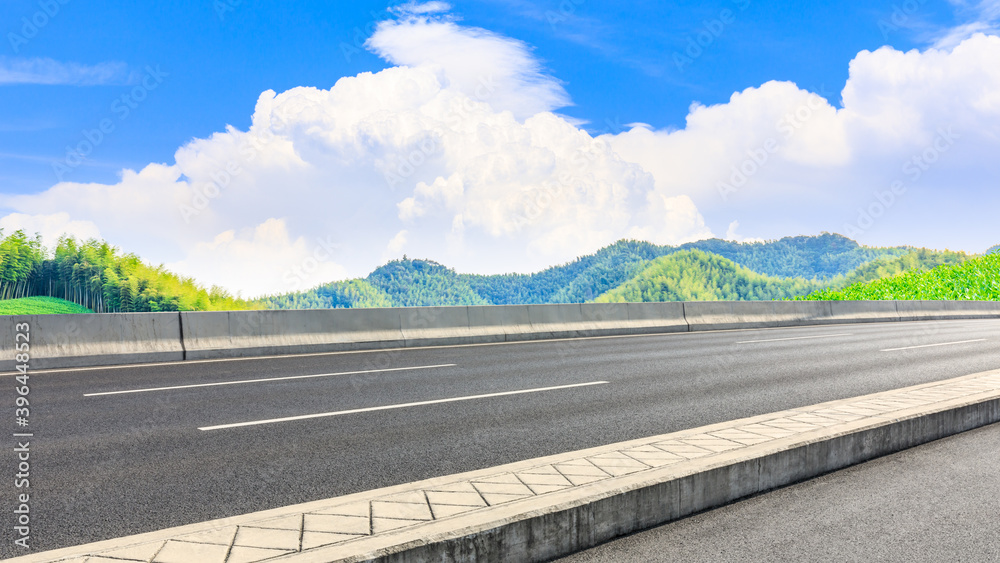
{"type": "Point", "coordinates": [360, 526]}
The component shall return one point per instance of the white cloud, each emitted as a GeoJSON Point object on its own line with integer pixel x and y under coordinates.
{"type": "Point", "coordinates": [261, 260]}
{"type": "Point", "coordinates": [51, 72]}
{"type": "Point", "coordinates": [51, 226]}
{"type": "Point", "coordinates": [484, 66]}
{"type": "Point", "coordinates": [732, 235]}
{"type": "Point", "coordinates": [796, 164]}
{"type": "Point", "coordinates": [983, 16]}
{"type": "Point", "coordinates": [418, 8]}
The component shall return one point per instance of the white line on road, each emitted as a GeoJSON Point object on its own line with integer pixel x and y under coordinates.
{"type": "Point", "coordinates": [795, 338]}
{"type": "Point", "coordinates": [402, 406]}
{"type": "Point", "coordinates": [931, 345]}
{"type": "Point", "coordinates": [264, 380]}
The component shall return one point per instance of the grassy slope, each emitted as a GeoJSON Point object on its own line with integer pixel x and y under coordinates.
{"type": "Point", "coordinates": [977, 279]}
{"type": "Point", "coordinates": [39, 306]}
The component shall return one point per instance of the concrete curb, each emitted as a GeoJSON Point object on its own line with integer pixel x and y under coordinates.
{"type": "Point", "coordinates": [60, 341]}
{"type": "Point", "coordinates": [644, 483]}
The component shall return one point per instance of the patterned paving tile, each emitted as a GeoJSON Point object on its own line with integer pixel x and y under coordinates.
{"type": "Point", "coordinates": [241, 554]}
{"type": "Point", "coordinates": [311, 540]}
{"type": "Point", "coordinates": [335, 523]}
{"type": "Point", "coordinates": [682, 449]}
{"type": "Point", "coordinates": [446, 510]}
{"type": "Point", "coordinates": [812, 418]}
{"type": "Point", "coordinates": [617, 464]}
{"type": "Point", "coordinates": [220, 536]}
{"type": "Point", "coordinates": [401, 510]}
{"type": "Point", "coordinates": [352, 509]}
{"type": "Point", "coordinates": [143, 552]}
{"type": "Point", "coordinates": [503, 488]}
{"type": "Point", "coordinates": [267, 538]}
{"type": "Point", "coordinates": [459, 499]}
{"type": "Point", "coordinates": [765, 430]}
{"type": "Point", "coordinates": [382, 525]}
{"type": "Point", "coordinates": [711, 443]}
{"type": "Point", "coordinates": [653, 457]}
{"type": "Point", "coordinates": [741, 436]}
{"type": "Point", "coordinates": [185, 552]}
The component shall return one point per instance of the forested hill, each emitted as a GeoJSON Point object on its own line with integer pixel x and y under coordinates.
{"type": "Point", "coordinates": [96, 276]}
{"type": "Point", "coordinates": [693, 275]}
{"type": "Point", "coordinates": [793, 266]}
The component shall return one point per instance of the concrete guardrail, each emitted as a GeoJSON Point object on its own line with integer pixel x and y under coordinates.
{"type": "Point", "coordinates": [90, 340]}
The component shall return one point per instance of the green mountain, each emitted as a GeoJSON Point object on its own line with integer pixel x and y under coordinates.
{"type": "Point", "coordinates": [337, 295]}
{"type": "Point", "coordinates": [97, 276]}
{"type": "Point", "coordinates": [975, 279]}
{"type": "Point", "coordinates": [825, 257]}
{"type": "Point", "coordinates": [400, 283]}
{"type": "Point", "coordinates": [714, 269]}
{"type": "Point", "coordinates": [693, 275]}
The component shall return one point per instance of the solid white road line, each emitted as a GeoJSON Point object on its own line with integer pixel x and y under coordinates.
{"type": "Point", "coordinates": [932, 345]}
{"type": "Point", "coordinates": [795, 338]}
{"type": "Point", "coordinates": [263, 380]}
{"type": "Point", "coordinates": [402, 406]}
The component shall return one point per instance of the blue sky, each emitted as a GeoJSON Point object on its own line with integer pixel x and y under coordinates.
{"type": "Point", "coordinates": [615, 61]}
{"type": "Point", "coordinates": [200, 67]}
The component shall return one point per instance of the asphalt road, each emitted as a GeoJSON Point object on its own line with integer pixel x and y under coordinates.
{"type": "Point", "coordinates": [933, 503]}
{"type": "Point", "coordinates": [112, 465]}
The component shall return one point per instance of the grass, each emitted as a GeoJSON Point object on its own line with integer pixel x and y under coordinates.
{"type": "Point", "coordinates": [40, 306]}
{"type": "Point", "coordinates": [975, 280]}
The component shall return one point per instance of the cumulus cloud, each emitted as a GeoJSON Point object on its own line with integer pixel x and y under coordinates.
{"type": "Point", "coordinates": [51, 226]}
{"type": "Point", "coordinates": [732, 235]}
{"type": "Point", "coordinates": [788, 161]}
{"type": "Point", "coordinates": [485, 66]}
{"type": "Point", "coordinates": [261, 260]}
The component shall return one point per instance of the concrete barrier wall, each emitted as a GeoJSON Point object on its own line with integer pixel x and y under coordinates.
{"type": "Point", "coordinates": [944, 310]}
{"type": "Point", "coordinates": [654, 318]}
{"type": "Point", "coordinates": [863, 311]}
{"type": "Point", "coordinates": [88, 340]}
{"type": "Point", "coordinates": [210, 335]}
